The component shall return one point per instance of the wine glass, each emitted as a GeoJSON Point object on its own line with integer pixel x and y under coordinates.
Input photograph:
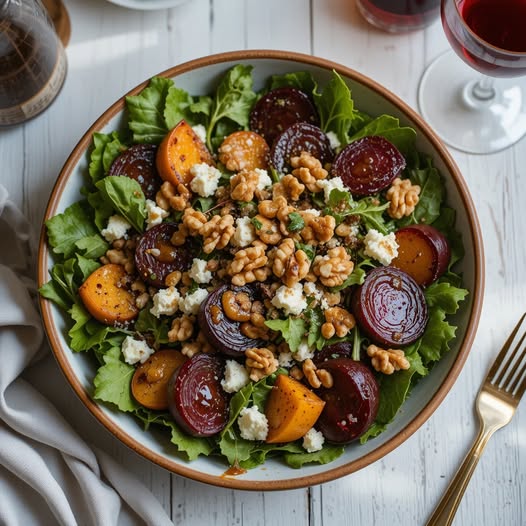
{"type": "Point", "coordinates": [486, 114]}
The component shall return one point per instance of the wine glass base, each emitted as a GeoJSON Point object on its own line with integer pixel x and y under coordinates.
{"type": "Point", "coordinates": [472, 126]}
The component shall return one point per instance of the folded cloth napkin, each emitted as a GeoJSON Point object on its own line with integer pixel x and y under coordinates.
{"type": "Point", "coordinates": [48, 473]}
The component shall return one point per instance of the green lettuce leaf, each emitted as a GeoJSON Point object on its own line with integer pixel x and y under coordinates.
{"type": "Point", "coordinates": [292, 330]}
{"type": "Point", "coordinates": [146, 111]}
{"type": "Point", "coordinates": [327, 454]}
{"type": "Point", "coordinates": [66, 229]}
{"type": "Point", "coordinates": [335, 108]}
{"type": "Point", "coordinates": [177, 107]}
{"type": "Point", "coordinates": [92, 247]}
{"type": "Point", "coordinates": [302, 80]}
{"type": "Point", "coordinates": [191, 446]}
{"type": "Point", "coordinates": [113, 380]}
{"type": "Point", "coordinates": [389, 127]}
{"type": "Point", "coordinates": [126, 198]}
{"type": "Point", "coordinates": [233, 99]}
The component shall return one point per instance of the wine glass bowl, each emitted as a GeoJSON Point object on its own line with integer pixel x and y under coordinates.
{"type": "Point", "coordinates": [484, 113]}
{"type": "Point", "coordinates": [488, 35]}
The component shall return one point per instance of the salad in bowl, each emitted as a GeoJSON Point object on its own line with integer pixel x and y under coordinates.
{"type": "Point", "coordinates": [257, 273]}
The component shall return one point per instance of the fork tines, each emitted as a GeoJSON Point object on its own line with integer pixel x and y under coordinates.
{"type": "Point", "coordinates": [508, 372]}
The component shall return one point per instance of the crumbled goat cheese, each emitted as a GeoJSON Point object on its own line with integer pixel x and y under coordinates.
{"type": "Point", "coordinates": [312, 212]}
{"type": "Point", "coordinates": [205, 179]}
{"type": "Point", "coordinates": [191, 302]}
{"type": "Point", "coordinates": [253, 425]}
{"type": "Point", "coordinates": [312, 290]}
{"type": "Point", "coordinates": [116, 228]}
{"type": "Point", "coordinates": [236, 377]}
{"type": "Point", "coordinates": [245, 232]}
{"type": "Point", "coordinates": [166, 301]}
{"type": "Point", "coordinates": [156, 214]}
{"type": "Point", "coordinates": [313, 440]}
{"type": "Point", "coordinates": [290, 299]}
{"type": "Point", "coordinates": [135, 350]}
{"type": "Point", "coordinates": [200, 131]}
{"type": "Point", "coordinates": [328, 185]}
{"type": "Point", "coordinates": [285, 359]}
{"type": "Point", "coordinates": [263, 179]}
{"type": "Point", "coordinates": [382, 248]}
{"type": "Point", "coordinates": [334, 141]}
{"type": "Point", "coordinates": [198, 271]}
{"type": "Point", "coordinates": [304, 352]}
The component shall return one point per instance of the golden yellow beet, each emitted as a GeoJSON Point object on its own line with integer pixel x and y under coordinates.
{"type": "Point", "coordinates": [105, 297]}
{"type": "Point", "coordinates": [291, 410]}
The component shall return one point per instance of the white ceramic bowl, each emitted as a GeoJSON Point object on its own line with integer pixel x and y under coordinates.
{"type": "Point", "coordinates": [148, 5]}
{"type": "Point", "coordinates": [199, 77]}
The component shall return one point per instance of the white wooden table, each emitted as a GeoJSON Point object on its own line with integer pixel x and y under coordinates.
{"type": "Point", "coordinates": [111, 50]}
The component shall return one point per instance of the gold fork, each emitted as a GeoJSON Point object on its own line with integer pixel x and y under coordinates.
{"type": "Point", "coordinates": [496, 403]}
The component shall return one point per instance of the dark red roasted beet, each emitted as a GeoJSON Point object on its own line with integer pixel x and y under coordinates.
{"type": "Point", "coordinates": [330, 352]}
{"type": "Point", "coordinates": [390, 307]}
{"type": "Point", "coordinates": [278, 109]}
{"type": "Point", "coordinates": [368, 165]}
{"type": "Point", "coordinates": [221, 331]}
{"type": "Point", "coordinates": [423, 252]}
{"type": "Point", "coordinates": [156, 257]}
{"type": "Point", "coordinates": [138, 162]}
{"type": "Point", "coordinates": [197, 401]}
{"type": "Point", "coordinates": [300, 137]}
{"type": "Point", "coordinates": [351, 404]}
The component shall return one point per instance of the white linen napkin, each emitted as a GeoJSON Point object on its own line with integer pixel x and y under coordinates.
{"type": "Point", "coordinates": [48, 473]}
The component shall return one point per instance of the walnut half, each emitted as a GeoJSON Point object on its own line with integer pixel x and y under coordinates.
{"type": "Point", "coordinates": [387, 361]}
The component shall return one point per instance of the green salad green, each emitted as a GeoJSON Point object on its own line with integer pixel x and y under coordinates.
{"type": "Point", "coordinates": [77, 244]}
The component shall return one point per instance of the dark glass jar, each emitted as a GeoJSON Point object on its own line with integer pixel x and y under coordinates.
{"type": "Point", "coordinates": [32, 61]}
{"type": "Point", "coordinates": [399, 16]}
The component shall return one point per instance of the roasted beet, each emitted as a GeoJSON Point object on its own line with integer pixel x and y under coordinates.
{"type": "Point", "coordinates": [423, 252]}
{"type": "Point", "coordinates": [156, 257]}
{"type": "Point", "coordinates": [223, 332]}
{"type": "Point", "coordinates": [196, 399]}
{"type": "Point", "coordinates": [390, 307]}
{"type": "Point", "coordinates": [330, 352]}
{"type": "Point", "coordinates": [138, 162]}
{"type": "Point", "coordinates": [368, 165]}
{"type": "Point", "coordinates": [351, 403]}
{"type": "Point", "coordinates": [278, 109]}
{"type": "Point", "coordinates": [300, 137]}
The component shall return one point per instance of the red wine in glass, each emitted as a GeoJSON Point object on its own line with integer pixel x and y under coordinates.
{"type": "Point", "coordinates": [399, 15]}
{"type": "Point", "coordinates": [472, 112]}
{"type": "Point", "coordinates": [491, 37]}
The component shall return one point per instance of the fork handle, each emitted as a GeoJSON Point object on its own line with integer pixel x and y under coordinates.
{"type": "Point", "coordinates": [447, 507]}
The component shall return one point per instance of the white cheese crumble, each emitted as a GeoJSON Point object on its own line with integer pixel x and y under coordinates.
{"type": "Point", "coordinates": [245, 232]}
{"type": "Point", "coordinates": [205, 179]}
{"type": "Point", "coordinates": [304, 352]}
{"type": "Point", "coordinates": [253, 425]}
{"type": "Point", "coordinates": [166, 301]}
{"type": "Point", "coordinates": [200, 131]}
{"type": "Point", "coordinates": [313, 440]}
{"type": "Point", "coordinates": [311, 211]}
{"type": "Point", "coordinates": [236, 377]}
{"type": "Point", "coordinates": [155, 214]}
{"type": "Point", "coordinates": [328, 185]}
{"type": "Point", "coordinates": [285, 359]}
{"type": "Point", "coordinates": [290, 299]}
{"type": "Point", "coordinates": [116, 228]}
{"type": "Point", "coordinates": [264, 179]}
{"type": "Point", "coordinates": [333, 140]}
{"type": "Point", "coordinates": [191, 302]}
{"type": "Point", "coordinates": [198, 271]}
{"type": "Point", "coordinates": [382, 248]}
{"type": "Point", "coordinates": [135, 350]}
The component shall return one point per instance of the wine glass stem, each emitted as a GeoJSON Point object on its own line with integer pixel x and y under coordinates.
{"type": "Point", "coordinates": [480, 91]}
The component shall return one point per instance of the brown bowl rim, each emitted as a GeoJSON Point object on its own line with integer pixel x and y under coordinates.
{"type": "Point", "coordinates": [330, 474]}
